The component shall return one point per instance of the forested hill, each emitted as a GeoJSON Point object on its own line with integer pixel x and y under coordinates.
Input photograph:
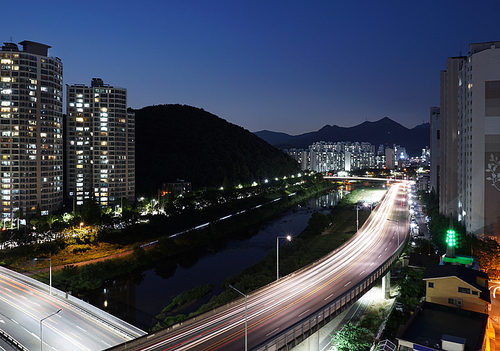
{"type": "Point", "coordinates": [184, 142]}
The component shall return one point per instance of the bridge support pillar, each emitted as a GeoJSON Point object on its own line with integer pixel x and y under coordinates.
{"type": "Point", "coordinates": [386, 285]}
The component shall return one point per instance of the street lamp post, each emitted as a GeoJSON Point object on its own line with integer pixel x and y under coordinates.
{"type": "Point", "coordinates": [289, 238]}
{"type": "Point", "coordinates": [41, 324]}
{"type": "Point", "coordinates": [50, 271]}
{"type": "Point", "coordinates": [81, 223]}
{"type": "Point", "coordinates": [246, 316]}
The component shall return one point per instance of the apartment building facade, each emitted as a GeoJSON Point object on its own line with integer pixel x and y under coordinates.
{"type": "Point", "coordinates": [100, 144]}
{"type": "Point", "coordinates": [31, 125]}
{"type": "Point", "coordinates": [335, 156]}
{"type": "Point", "coordinates": [469, 186]}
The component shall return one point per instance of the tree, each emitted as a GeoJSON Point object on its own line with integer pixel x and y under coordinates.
{"type": "Point", "coordinates": [91, 212]}
{"type": "Point", "coordinates": [351, 338]}
{"type": "Point", "coordinates": [51, 219]}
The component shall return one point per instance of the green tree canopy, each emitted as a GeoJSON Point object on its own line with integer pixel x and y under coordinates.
{"type": "Point", "coordinates": [351, 338]}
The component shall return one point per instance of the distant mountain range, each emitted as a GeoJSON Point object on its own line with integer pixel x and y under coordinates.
{"type": "Point", "coordinates": [382, 132]}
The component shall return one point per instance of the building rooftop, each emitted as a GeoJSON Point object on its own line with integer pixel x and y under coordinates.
{"type": "Point", "coordinates": [431, 323]}
{"type": "Point", "coordinates": [35, 48]}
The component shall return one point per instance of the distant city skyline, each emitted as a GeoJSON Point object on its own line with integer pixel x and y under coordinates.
{"type": "Point", "coordinates": [285, 66]}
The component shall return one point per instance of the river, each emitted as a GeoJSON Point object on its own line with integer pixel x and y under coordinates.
{"type": "Point", "coordinates": [139, 297]}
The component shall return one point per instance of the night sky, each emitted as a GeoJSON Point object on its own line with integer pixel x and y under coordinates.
{"type": "Point", "coordinates": [285, 66]}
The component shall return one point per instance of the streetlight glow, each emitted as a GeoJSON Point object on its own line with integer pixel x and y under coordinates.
{"type": "Point", "coordinates": [289, 238]}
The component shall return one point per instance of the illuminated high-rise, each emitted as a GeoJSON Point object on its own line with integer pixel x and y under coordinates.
{"type": "Point", "coordinates": [469, 187]}
{"type": "Point", "coordinates": [31, 126]}
{"type": "Point", "coordinates": [100, 145]}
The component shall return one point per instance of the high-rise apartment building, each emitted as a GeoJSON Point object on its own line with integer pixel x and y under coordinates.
{"type": "Point", "coordinates": [31, 126]}
{"type": "Point", "coordinates": [100, 144]}
{"type": "Point", "coordinates": [470, 139]}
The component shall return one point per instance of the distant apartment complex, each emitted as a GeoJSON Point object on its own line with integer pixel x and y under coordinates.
{"type": "Point", "coordinates": [100, 144]}
{"type": "Point", "coordinates": [31, 122]}
{"type": "Point", "coordinates": [468, 169]}
{"type": "Point", "coordinates": [346, 156]}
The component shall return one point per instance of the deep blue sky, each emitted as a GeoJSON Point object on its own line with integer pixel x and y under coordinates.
{"type": "Point", "coordinates": [285, 66]}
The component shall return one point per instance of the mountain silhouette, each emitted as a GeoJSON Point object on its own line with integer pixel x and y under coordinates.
{"type": "Point", "coordinates": [382, 132]}
{"type": "Point", "coordinates": [184, 142]}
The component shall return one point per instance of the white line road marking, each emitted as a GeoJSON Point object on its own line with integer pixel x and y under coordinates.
{"type": "Point", "coordinates": [81, 328]}
{"type": "Point", "coordinates": [361, 273]}
{"type": "Point", "coordinates": [326, 298]}
{"type": "Point", "coordinates": [273, 331]}
{"type": "Point", "coordinates": [104, 342]}
{"type": "Point", "coordinates": [347, 284]}
{"type": "Point", "coordinates": [300, 315]}
{"type": "Point", "coordinates": [372, 264]}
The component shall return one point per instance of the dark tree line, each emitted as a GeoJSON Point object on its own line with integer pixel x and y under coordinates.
{"type": "Point", "coordinates": [183, 142]}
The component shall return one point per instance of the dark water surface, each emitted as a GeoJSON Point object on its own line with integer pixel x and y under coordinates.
{"type": "Point", "coordinates": [139, 297]}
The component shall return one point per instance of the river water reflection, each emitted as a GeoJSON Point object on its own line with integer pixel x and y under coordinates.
{"type": "Point", "coordinates": [142, 295]}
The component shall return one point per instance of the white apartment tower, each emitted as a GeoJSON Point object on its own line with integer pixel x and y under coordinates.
{"type": "Point", "coordinates": [470, 139]}
{"type": "Point", "coordinates": [100, 144]}
{"type": "Point", "coordinates": [31, 126]}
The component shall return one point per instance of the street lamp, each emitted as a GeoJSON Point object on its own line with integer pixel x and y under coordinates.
{"type": "Point", "coordinates": [41, 323]}
{"type": "Point", "coordinates": [50, 271]}
{"type": "Point", "coordinates": [289, 238]}
{"type": "Point", "coordinates": [246, 316]}
{"type": "Point", "coordinates": [81, 223]}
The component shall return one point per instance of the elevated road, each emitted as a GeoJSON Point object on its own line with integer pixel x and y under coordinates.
{"type": "Point", "coordinates": [36, 320]}
{"type": "Point", "coordinates": [295, 304]}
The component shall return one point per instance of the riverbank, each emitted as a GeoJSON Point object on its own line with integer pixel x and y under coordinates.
{"type": "Point", "coordinates": [88, 276]}
{"type": "Point", "coordinates": [323, 234]}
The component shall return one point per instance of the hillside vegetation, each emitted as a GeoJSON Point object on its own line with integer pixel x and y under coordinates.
{"type": "Point", "coordinates": [184, 142]}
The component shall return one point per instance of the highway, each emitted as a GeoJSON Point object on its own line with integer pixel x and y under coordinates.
{"type": "Point", "coordinates": [273, 309]}
{"type": "Point", "coordinates": [64, 327]}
